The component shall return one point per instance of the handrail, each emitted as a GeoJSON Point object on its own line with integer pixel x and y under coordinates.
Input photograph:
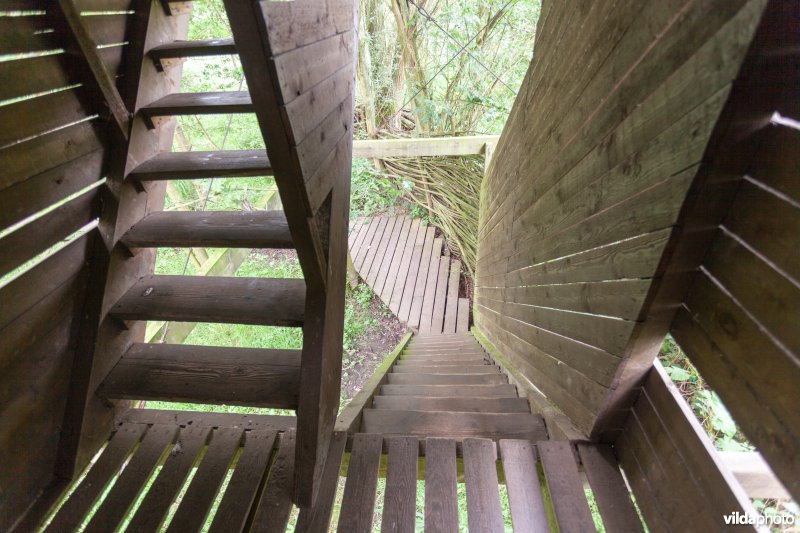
{"type": "Point", "coordinates": [425, 146]}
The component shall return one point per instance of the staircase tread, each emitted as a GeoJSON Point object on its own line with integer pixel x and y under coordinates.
{"type": "Point", "coordinates": [402, 378]}
{"type": "Point", "coordinates": [485, 404]}
{"type": "Point", "coordinates": [452, 424]}
{"type": "Point", "coordinates": [443, 362]}
{"type": "Point", "coordinates": [502, 390]}
{"type": "Point", "coordinates": [195, 165]}
{"type": "Point", "coordinates": [224, 229]}
{"type": "Point", "coordinates": [447, 369]}
{"type": "Point", "coordinates": [255, 301]}
{"type": "Point", "coordinates": [200, 104]}
{"type": "Point", "coordinates": [193, 48]}
{"type": "Point", "coordinates": [206, 374]}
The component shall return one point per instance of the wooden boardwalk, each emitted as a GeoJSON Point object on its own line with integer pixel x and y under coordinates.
{"type": "Point", "coordinates": [401, 260]}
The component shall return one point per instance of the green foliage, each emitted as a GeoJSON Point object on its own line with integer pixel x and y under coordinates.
{"type": "Point", "coordinates": [371, 191]}
{"type": "Point", "coordinates": [705, 403]}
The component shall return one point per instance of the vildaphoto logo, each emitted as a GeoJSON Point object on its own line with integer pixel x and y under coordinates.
{"type": "Point", "coordinates": [744, 519]}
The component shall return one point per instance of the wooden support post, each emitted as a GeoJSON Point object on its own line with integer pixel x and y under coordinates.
{"type": "Point", "coordinates": [97, 77]}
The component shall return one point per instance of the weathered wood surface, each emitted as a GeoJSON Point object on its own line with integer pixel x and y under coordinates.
{"type": "Point", "coordinates": [402, 262]}
{"type": "Point", "coordinates": [588, 182]}
{"type": "Point", "coordinates": [195, 165]}
{"type": "Point", "coordinates": [223, 229]}
{"type": "Point", "coordinates": [206, 375]}
{"type": "Point", "coordinates": [423, 147]}
{"type": "Point", "coordinates": [661, 444]}
{"type": "Point", "coordinates": [258, 301]}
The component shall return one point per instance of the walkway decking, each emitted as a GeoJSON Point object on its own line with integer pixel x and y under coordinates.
{"type": "Point", "coordinates": [401, 260]}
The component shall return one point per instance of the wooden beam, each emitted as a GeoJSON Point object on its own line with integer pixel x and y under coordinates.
{"type": "Point", "coordinates": [754, 475]}
{"type": "Point", "coordinates": [86, 50]}
{"type": "Point", "coordinates": [424, 147]}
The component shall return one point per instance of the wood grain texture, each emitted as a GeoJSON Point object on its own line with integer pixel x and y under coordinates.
{"type": "Point", "coordinates": [528, 512]}
{"type": "Point", "coordinates": [399, 501]}
{"type": "Point", "coordinates": [220, 229]}
{"type": "Point", "coordinates": [272, 513]}
{"type": "Point", "coordinates": [204, 374]}
{"type": "Point", "coordinates": [456, 425]}
{"type": "Point", "coordinates": [441, 478]}
{"type": "Point", "coordinates": [463, 405]}
{"type": "Point", "coordinates": [251, 467]}
{"type": "Point", "coordinates": [318, 516]}
{"type": "Point", "coordinates": [260, 301]}
{"type": "Point", "coordinates": [196, 165]}
{"type": "Point", "coordinates": [480, 476]}
{"type": "Point", "coordinates": [358, 502]}
{"type": "Point", "coordinates": [565, 487]}
{"type": "Point", "coordinates": [609, 489]}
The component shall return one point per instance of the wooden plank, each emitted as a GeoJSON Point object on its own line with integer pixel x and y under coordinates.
{"type": "Point", "coordinates": [197, 165]}
{"type": "Point", "coordinates": [80, 39]}
{"type": "Point", "coordinates": [205, 419]}
{"type": "Point", "coordinates": [196, 502]}
{"type": "Point", "coordinates": [318, 516]}
{"type": "Point", "coordinates": [158, 441]}
{"type": "Point", "coordinates": [301, 23]}
{"type": "Point", "coordinates": [91, 488]}
{"type": "Point", "coordinates": [154, 507]}
{"type": "Point", "coordinates": [272, 513]}
{"type": "Point", "coordinates": [221, 102]}
{"type": "Point", "coordinates": [405, 262]}
{"type": "Point", "coordinates": [456, 425]}
{"type": "Point", "coordinates": [38, 192]}
{"type": "Point", "coordinates": [420, 378]}
{"type": "Point", "coordinates": [399, 501]}
{"type": "Point", "coordinates": [774, 439]}
{"type": "Point", "coordinates": [415, 312]}
{"type": "Point", "coordinates": [361, 255]}
{"type": "Point", "coordinates": [528, 513]}
{"type": "Point", "coordinates": [380, 252]}
{"type": "Point", "coordinates": [565, 487]}
{"type": "Point", "coordinates": [321, 148]}
{"type": "Point", "coordinates": [37, 236]}
{"type": "Point", "coordinates": [358, 502]}
{"type": "Point", "coordinates": [209, 229]}
{"type": "Point", "coordinates": [259, 301]}
{"type": "Point", "coordinates": [389, 254]}
{"type": "Point", "coordinates": [387, 289]}
{"type": "Point", "coordinates": [462, 318]}
{"type": "Point", "coordinates": [206, 374]}
{"type": "Point", "coordinates": [308, 110]}
{"type": "Point", "coordinates": [446, 369]}
{"type": "Point", "coordinates": [483, 495]}
{"type": "Point", "coordinates": [374, 244]}
{"type": "Point", "coordinates": [251, 467]}
{"type": "Point", "coordinates": [35, 117]}
{"type": "Point", "coordinates": [609, 489]}
{"type": "Point", "coordinates": [196, 48]}
{"type": "Point", "coordinates": [301, 69]}
{"type": "Point", "coordinates": [426, 313]}
{"type": "Point", "coordinates": [423, 147]}
{"type": "Point", "coordinates": [441, 497]}
{"type": "Point", "coordinates": [462, 405]}
{"type": "Point", "coordinates": [503, 391]}
{"type": "Point", "coordinates": [424, 240]}
{"type": "Point", "coordinates": [451, 307]}
{"type": "Point", "coordinates": [33, 75]}
{"type": "Point", "coordinates": [439, 303]}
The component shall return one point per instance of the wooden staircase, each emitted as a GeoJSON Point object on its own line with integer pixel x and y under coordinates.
{"type": "Point", "coordinates": [446, 386]}
{"type": "Point", "coordinates": [304, 109]}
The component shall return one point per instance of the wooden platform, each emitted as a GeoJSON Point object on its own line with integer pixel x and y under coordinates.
{"type": "Point", "coordinates": [167, 468]}
{"type": "Point", "coordinates": [486, 465]}
{"type": "Point", "coordinates": [401, 260]}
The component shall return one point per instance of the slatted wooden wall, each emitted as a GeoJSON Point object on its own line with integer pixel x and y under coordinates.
{"type": "Point", "coordinates": [51, 147]}
{"type": "Point", "coordinates": [587, 182]}
{"type": "Point", "coordinates": [58, 140]}
{"type": "Point", "coordinates": [679, 482]}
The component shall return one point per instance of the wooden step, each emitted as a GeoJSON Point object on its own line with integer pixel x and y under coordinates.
{"type": "Point", "coordinates": [197, 165]}
{"type": "Point", "coordinates": [445, 379]}
{"type": "Point", "coordinates": [223, 229]}
{"type": "Point", "coordinates": [205, 374]}
{"type": "Point", "coordinates": [199, 48]}
{"type": "Point", "coordinates": [486, 404]}
{"type": "Point", "coordinates": [446, 369]}
{"type": "Point", "coordinates": [455, 425]}
{"type": "Point", "coordinates": [437, 353]}
{"type": "Point", "coordinates": [257, 301]}
{"type": "Point", "coordinates": [442, 362]}
{"type": "Point", "coordinates": [502, 391]}
{"type": "Point", "coordinates": [211, 103]}
{"type": "Point", "coordinates": [445, 357]}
